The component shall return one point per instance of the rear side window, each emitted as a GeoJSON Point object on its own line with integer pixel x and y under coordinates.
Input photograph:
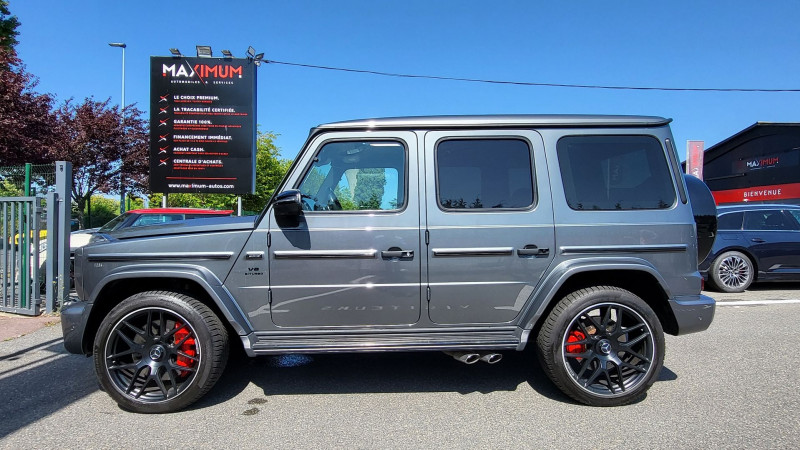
{"type": "Point", "coordinates": [731, 221]}
{"type": "Point", "coordinates": [473, 174]}
{"type": "Point", "coordinates": [155, 219]}
{"type": "Point", "coordinates": [605, 173]}
{"type": "Point", "coordinates": [767, 220]}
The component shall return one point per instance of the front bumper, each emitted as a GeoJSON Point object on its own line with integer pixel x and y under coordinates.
{"type": "Point", "coordinates": [73, 323]}
{"type": "Point", "coordinates": [693, 313]}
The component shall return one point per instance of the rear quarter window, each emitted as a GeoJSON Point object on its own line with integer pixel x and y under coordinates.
{"type": "Point", "coordinates": [606, 173]}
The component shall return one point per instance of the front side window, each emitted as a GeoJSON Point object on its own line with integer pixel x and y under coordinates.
{"type": "Point", "coordinates": [356, 176]}
{"type": "Point", "coordinates": [607, 173]}
{"type": "Point", "coordinates": [484, 174]}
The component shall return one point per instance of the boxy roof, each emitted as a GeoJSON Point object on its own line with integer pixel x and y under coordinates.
{"type": "Point", "coordinates": [496, 121]}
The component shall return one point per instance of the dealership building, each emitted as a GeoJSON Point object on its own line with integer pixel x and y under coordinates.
{"type": "Point", "coordinates": [760, 164]}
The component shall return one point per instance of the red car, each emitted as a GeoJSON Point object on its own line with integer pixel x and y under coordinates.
{"type": "Point", "coordinates": [157, 216]}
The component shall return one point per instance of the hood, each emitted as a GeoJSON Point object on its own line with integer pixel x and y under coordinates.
{"type": "Point", "coordinates": [201, 225]}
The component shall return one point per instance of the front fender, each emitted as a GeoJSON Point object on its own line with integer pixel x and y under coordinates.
{"type": "Point", "coordinates": [200, 275]}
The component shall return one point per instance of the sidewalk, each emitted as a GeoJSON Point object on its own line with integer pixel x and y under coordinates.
{"type": "Point", "coordinates": [15, 325]}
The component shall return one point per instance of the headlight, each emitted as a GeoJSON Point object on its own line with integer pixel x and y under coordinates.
{"type": "Point", "coordinates": [97, 238]}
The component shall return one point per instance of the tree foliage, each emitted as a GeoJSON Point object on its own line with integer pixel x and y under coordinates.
{"type": "Point", "coordinates": [270, 170]}
{"type": "Point", "coordinates": [29, 127]}
{"type": "Point", "coordinates": [98, 143]}
{"type": "Point", "coordinates": [8, 27]}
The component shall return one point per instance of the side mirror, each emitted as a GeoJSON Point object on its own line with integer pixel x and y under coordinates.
{"type": "Point", "coordinates": [288, 204]}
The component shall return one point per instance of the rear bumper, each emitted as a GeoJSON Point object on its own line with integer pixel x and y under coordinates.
{"type": "Point", "coordinates": [693, 313]}
{"type": "Point", "coordinates": [73, 323]}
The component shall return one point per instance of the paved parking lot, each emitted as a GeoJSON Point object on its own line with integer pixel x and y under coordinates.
{"type": "Point", "coordinates": [733, 386]}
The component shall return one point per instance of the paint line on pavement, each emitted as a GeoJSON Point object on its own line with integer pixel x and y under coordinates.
{"type": "Point", "coordinates": [757, 302]}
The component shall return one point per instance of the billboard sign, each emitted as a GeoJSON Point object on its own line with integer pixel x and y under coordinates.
{"type": "Point", "coordinates": [202, 125]}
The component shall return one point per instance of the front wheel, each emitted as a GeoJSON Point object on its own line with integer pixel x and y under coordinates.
{"type": "Point", "coordinates": [159, 351]}
{"type": "Point", "coordinates": [602, 346]}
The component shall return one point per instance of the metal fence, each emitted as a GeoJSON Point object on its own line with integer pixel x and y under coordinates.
{"type": "Point", "coordinates": [20, 230]}
{"type": "Point", "coordinates": [34, 273]}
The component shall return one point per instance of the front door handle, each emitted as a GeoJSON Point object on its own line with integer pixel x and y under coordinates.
{"type": "Point", "coordinates": [396, 252]}
{"type": "Point", "coordinates": [758, 240]}
{"type": "Point", "coordinates": [532, 250]}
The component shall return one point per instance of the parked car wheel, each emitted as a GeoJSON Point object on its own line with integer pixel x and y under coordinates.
{"type": "Point", "coordinates": [602, 346]}
{"type": "Point", "coordinates": [159, 351]}
{"type": "Point", "coordinates": [732, 272]}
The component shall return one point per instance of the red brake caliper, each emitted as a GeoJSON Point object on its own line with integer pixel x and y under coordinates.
{"type": "Point", "coordinates": [187, 348]}
{"type": "Point", "coordinates": [576, 336]}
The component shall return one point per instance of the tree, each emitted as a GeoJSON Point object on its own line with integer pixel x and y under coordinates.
{"type": "Point", "coordinates": [8, 27]}
{"type": "Point", "coordinates": [99, 144]}
{"type": "Point", "coordinates": [29, 128]}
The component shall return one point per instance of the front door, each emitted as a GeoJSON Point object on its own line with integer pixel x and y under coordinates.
{"type": "Point", "coordinates": [354, 257]}
{"type": "Point", "coordinates": [490, 223]}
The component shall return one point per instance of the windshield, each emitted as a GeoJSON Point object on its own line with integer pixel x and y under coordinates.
{"type": "Point", "coordinates": [114, 223]}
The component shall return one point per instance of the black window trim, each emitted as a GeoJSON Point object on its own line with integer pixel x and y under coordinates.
{"type": "Point", "coordinates": [534, 185]}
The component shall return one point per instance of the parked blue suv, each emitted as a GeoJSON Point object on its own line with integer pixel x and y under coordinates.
{"type": "Point", "coordinates": [754, 243]}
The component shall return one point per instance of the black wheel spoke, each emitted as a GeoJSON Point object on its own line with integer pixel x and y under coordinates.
{"type": "Point", "coordinates": [193, 358]}
{"type": "Point", "coordinates": [183, 369]}
{"type": "Point", "coordinates": [127, 340]}
{"type": "Point", "coordinates": [594, 375]}
{"type": "Point", "coordinates": [631, 366]}
{"type": "Point", "coordinates": [183, 341]}
{"type": "Point", "coordinates": [129, 366]}
{"type": "Point", "coordinates": [160, 384]}
{"type": "Point", "coordinates": [144, 385]}
{"type": "Point", "coordinates": [636, 340]}
{"type": "Point", "coordinates": [638, 355]}
{"type": "Point", "coordinates": [610, 383]}
{"type": "Point", "coordinates": [606, 318]}
{"type": "Point", "coordinates": [620, 378]}
{"type": "Point", "coordinates": [136, 330]}
{"type": "Point", "coordinates": [135, 375]}
{"type": "Point", "coordinates": [161, 324]}
{"type": "Point", "coordinates": [149, 323]}
{"type": "Point", "coordinates": [121, 354]}
{"type": "Point", "coordinates": [172, 332]}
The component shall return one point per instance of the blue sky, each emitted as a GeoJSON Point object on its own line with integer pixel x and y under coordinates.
{"type": "Point", "coordinates": [694, 44]}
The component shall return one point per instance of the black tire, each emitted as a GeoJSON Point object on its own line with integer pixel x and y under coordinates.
{"type": "Point", "coordinates": [732, 271]}
{"type": "Point", "coordinates": [602, 346]}
{"type": "Point", "coordinates": [173, 334]}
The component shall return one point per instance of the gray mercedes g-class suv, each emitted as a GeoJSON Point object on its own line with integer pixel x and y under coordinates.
{"type": "Point", "coordinates": [469, 235]}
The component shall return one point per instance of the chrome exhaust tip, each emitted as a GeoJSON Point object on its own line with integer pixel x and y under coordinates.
{"type": "Point", "coordinates": [465, 357]}
{"type": "Point", "coordinates": [491, 358]}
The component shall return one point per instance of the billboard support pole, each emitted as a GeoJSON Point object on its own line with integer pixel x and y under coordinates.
{"type": "Point", "coordinates": [239, 202]}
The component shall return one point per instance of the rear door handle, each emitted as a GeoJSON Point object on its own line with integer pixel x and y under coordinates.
{"type": "Point", "coordinates": [758, 240]}
{"type": "Point", "coordinates": [397, 253]}
{"type": "Point", "coordinates": [532, 250]}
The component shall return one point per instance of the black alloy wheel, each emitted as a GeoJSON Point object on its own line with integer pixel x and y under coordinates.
{"type": "Point", "coordinates": [159, 352]}
{"type": "Point", "coordinates": [602, 346]}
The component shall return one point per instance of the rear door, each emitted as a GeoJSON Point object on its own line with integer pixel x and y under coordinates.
{"type": "Point", "coordinates": [774, 238]}
{"type": "Point", "coordinates": [489, 223]}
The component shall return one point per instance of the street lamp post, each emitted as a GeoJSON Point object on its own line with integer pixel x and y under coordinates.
{"type": "Point", "coordinates": [121, 45]}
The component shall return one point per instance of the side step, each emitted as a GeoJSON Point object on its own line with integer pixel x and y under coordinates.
{"type": "Point", "coordinates": [267, 344]}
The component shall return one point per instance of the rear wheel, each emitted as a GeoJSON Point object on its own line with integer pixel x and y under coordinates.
{"type": "Point", "coordinates": [732, 272]}
{"type": "Point", "coordinates": [602, 346]}
{"type": "Point", "coordinates": [159, 352]}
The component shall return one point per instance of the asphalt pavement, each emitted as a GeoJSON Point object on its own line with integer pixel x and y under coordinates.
{"type": "Point", "coordinates": [733, 386]}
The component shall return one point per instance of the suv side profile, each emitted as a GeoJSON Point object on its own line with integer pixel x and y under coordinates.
{"type": "Point", "coordinates": [470, 235]}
